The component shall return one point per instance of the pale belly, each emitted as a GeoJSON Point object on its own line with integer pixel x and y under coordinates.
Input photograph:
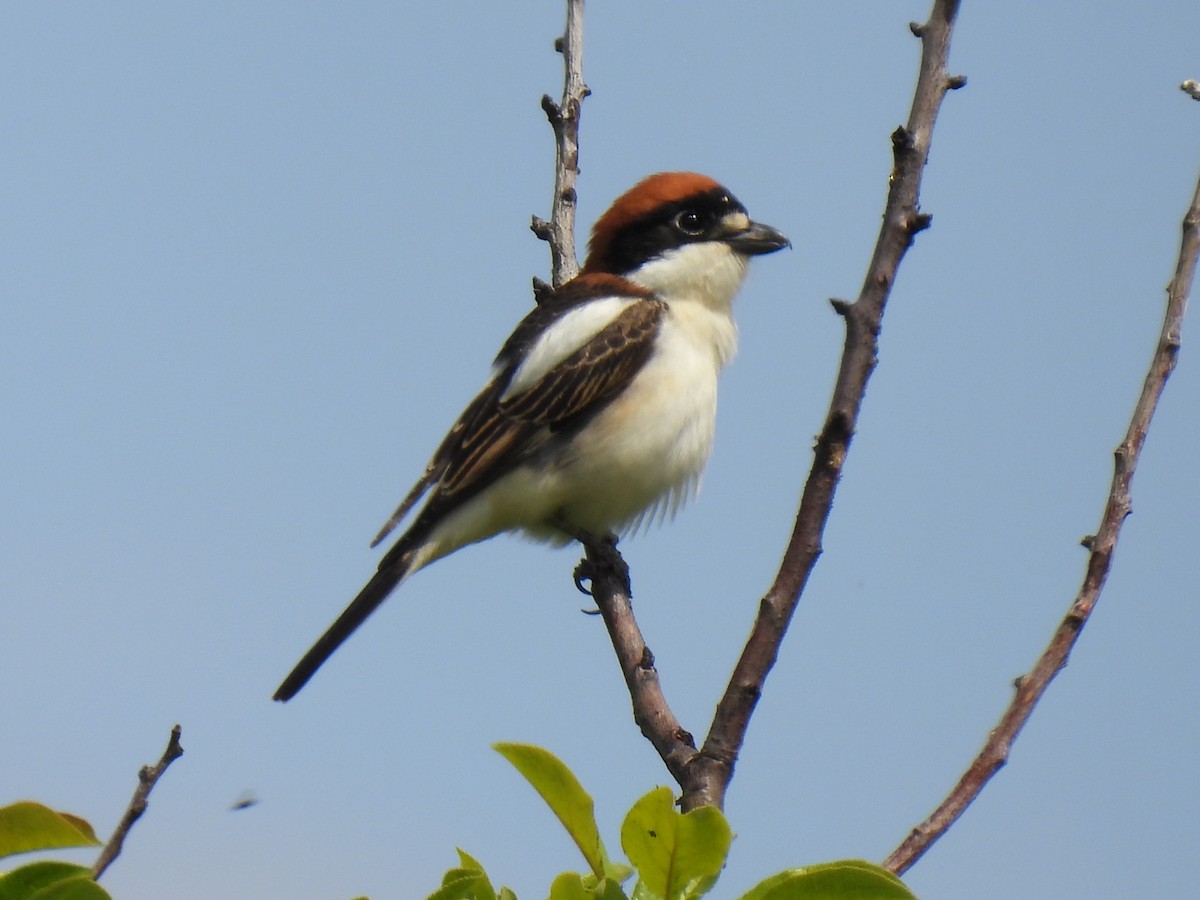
{"type": "Point", "coordinates": [644, 454]}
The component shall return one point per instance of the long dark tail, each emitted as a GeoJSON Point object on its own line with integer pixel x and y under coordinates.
{"type": "Point", "coordinates": [391, 572]}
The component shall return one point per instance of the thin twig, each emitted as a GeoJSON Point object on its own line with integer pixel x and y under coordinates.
{"type": "Point", "coordinates": [1031, 686]}
{"type": "Point", "coordinates": [564, 119]}
{"type": "Point", "coordinates": [147, 777]}
{"type": "Point", "coordinates": [609, 577]}
{"type": "Point", "coordinates": [603, 566]}
{"type": "Point", "coordinates": [710, 775]}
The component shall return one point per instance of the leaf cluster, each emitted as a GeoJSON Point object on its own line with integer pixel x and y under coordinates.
{"type": "Point", "coordinates": [674, 855]}
{"type": "Point", "coordinates": [26, 827]}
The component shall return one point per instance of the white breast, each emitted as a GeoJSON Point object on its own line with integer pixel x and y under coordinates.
{"type": "Point", "coordinates": [645, 452]}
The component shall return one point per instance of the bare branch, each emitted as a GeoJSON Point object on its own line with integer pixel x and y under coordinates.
{"type": "Point", "coordinates": [603, 566]}
{"type": "Point", "coordinates": [710, 775]}
{"type": "Point", "coordinates": [147, 777]}
{"type": "Point", "coordinates": [609, 577]}
{"type": "Point", "coordinates": [1031, 686]}
{"type": "Point", "coordinates": [564, 119]}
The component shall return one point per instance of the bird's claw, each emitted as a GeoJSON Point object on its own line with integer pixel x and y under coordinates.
{"type": "Point", "coordinates": [582, 573]}
{"type": "Point", "coordinates": [601, 554]}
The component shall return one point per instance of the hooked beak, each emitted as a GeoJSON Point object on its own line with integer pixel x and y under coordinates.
{"type": "Point", "coordinates": [758, 239]}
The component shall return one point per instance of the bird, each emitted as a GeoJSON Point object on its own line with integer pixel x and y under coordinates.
{"type": "Point", "coordinates": [601, 406]}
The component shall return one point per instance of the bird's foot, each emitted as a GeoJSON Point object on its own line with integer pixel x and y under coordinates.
{"type": "Point", "coordinates": [602, 558]}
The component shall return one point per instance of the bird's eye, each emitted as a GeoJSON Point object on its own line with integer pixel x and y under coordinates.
{"type": "Point", "coordinates": [692, 222]}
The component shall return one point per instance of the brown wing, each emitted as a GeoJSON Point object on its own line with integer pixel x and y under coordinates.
{"type": "Point", "coordinates": [468, 421]}
{"type": "Point", "coordinates": [595, 372]}
{"type": "Point", "coordinates": [493, 435]}
{"type": "Point", "coordinates": [579, 385]}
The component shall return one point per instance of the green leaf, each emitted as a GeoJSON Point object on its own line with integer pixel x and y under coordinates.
{"type": "Point", "coordinates": [461, 884]}
{"type": "Point", "coordinates": [569, 886]}
{"type": "Point", "coordinates": [458, 885]}
{"type": "Point", "coordinates": [573, 886]}
{"type": "Point", "coordinates": [79, 888]}
{"type": "Point", "coordinates": [608, 889]}
{"type": "Point", "coordinates": [24, 881]}
{"type": "Point", "coordinates": [467, 881]}
{"type": "Point", "coordinates": [677, 856]}
{"type": "Point", "coordinates": [50, 880]}
{"type": "Point", "coordinates": [848, 879]}
{"type": "Point", "coordinates": [467, 861]}
{"type": "Point", "coordinates": [27, 826]}
{"type": "Point", "coordinates": [566, 798]}
{"type": "Point", "coordinates": [616, 872]}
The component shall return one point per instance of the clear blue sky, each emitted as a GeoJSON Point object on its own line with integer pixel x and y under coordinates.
{"type": "Point", "coordinates": [236, 243]}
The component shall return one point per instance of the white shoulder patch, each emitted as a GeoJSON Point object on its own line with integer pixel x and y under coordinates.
{"type": "Point", "coordinates": [564, 337]}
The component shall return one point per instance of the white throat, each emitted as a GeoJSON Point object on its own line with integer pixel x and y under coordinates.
{"type": "Point", "coordinates": [699, 282]}
{"type": "Point", "coordinates": [709, 273]}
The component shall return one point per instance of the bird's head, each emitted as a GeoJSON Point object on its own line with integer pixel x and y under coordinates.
{"type": "Point", "coordinates": [683, 236]}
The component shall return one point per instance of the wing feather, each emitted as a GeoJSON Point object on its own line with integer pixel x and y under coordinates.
{"type": "Point", "coordinates": [495, 435]}
{"type": "Point", "coordinates": [596, 372]}
{"type": "Point", "coordinates": [451, 446]}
